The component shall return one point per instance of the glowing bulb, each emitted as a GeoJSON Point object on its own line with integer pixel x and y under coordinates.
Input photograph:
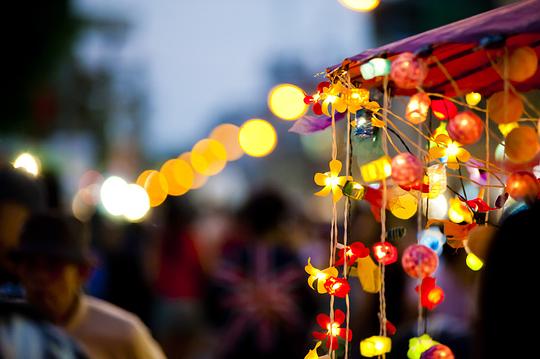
{"type": "Point", "coordinates": [331, 98]}
{"type": "Point", "coordinates": [331, 181]}
{"type": "Point", "coordinates": [375, 345]}
{"type": "Point", "coordinates": [452, 149]}
{"type": "Point", "coordinates": [473, 98]}
{"type": "Point", "coordinates": [286, 101]}
{"type": "Point", "coordinates": [137, 203]}
{"type": "Point", "coordinates": [28, 163]}
{"type": "Point", "coordinates": [360, 5]}
{"type": "Point", "coordinates": [113, 195]}
{"type": "Point", "coordinates": [257, 137]}
{"type": "Point", "coordinates": [333, 329]}
{"type": "Point", "coordinates": [473, 262]}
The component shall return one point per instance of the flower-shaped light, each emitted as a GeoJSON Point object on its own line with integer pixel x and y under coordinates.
{"type": "Point", "coordinates": [312, 354]}
{"type": "Point", "coordinates": [334, 99]}
{"type": "Point", "coordinates": [431, 295]}
{"type": "Point", "coordinates": [314, 99]}
{"type": "Point", "coordinates": [319, 275]}
{"type": "Point", "coordinates": [332, 329]}
{"type": "Point", "coordinates": [331, 181]}
{"type": "Point", "coordinates": [385, 253]}
{"type": "Point", "coordinates": [353, 252]}
{"type": "Point", "coordinates": [452, 150]}
{"type": "Point", "coordinates": [337, 286]}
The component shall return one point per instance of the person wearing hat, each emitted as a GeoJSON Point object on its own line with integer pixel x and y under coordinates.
{"type": "Point", "coordinates": [54, 262]}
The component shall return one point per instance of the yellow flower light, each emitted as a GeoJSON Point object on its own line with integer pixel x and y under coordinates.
{"type": "Point", "coordinates": [375, 345]}
{"type": "Point", "coordinates": [334, 97]}
{"type": "Point", "coordinates": [451, 150]}
{"type": "Point", "coordinates": [506, 128]}
{"type": "Point", "coordinates": [357, 99]}
{"type": "Point", "coordinates": [459, 212]}
{"type": "Point", "coordinates": [320, 276]}
{"type": "Point", "coordinates": [312, 354]}
{"type": "Point", "coordinates": [473, 98]}
{"type": "Point", "coordinates": [331, 181]}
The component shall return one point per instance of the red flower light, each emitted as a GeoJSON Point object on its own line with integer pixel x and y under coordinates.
{"type": "Point", "coordinates": [353, 252]}
{"type": "Point", "coordinates": [430, 294]}
{"type": "Point", "coordinates": [337, 286]}
{"type": "Point", "coordinates": [385, 253]}
{"type": "Point", "coordinates": [443, 109]}
{"type": "Point", "coordinates": [313, 99]}
{"type": "Point", "coordinates": [332, 329]}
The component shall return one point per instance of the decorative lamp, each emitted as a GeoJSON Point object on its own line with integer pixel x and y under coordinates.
{"type": "Point", "coordinates": [443, 109]}
{"type": "Point", "coordinates": [408, 71]}
{"type": "Point", "coordinates": [522, 64]}
{"type": "Point", "coordinates": [459, 212]}
{"type": "Point", "coordinates": [407, 169]}
{"type": "Point", "coordinates": [369, 275]}
{"type": "Point", "coordinates": [437, 180]}
{"type": "Point", "coordinates": [353, 190]}
{"type": "Point", "coordinates": [505, 107]}
{"type": "Point", "coordinates": [473, 98]}
{"type": "Point", "coordinates": [337, 286]}
{"type": "Point", "coordinates": [417, 108]}
{"type": "Point", "coordinates": [375, 67]}
{"type": "Point", "coordinates": [521, 144]}
{"type": "Point", "coordinates": [375, 345]}
{"type": "Point", "coordinates": [385, 253]}
{"type": "Point", "coordinates": [432, 238]}
{"type": "Point", "coordinates": [466, 128]}
{"type": "Point", "coordinates": [438, 351]}
{"type": "Point", "coordinates": [522, 185]}
{"type": "Point", "coordinates": [431, 295]}
{"type": "Point", "coordinates": [473, 262]}
{"type": "Point", "coordinates": [376, 170]}
{"type": "Point", "coordinates": [419, 261]}
{"type": "Point", "coordinates": [418, 345]}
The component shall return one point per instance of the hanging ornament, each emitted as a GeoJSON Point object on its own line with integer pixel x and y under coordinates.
{"type": "Point", "coordinates": [369, 275]}
{"type": "Point", "coordinates": [459, 212]}
{"type": "Point", "coordinates": [331, 181]}
{"type": "Point", "coordinates": [376, 170]}
{"type": "Point", "coordinates": [407, 169]}
{"type": "Point", "coordinates": [473, 98]}
{"type": "Point", "coordinates": [319, 275]}
{"type": "Point", "coordinates": [451, 150]}
{"type": "Point", "coordinates": [523, 185]}
{"type": "Point", "coordinates": [418, 345]}
{"type": "Point", "coordinates": [385, 253]}
{"type": "Point", "coordinates": [356, 99]}
{"type": "Point", "coordinates": [417, 108]}
{"type": "Point", "coordinates": [431, 295]}
{"type": "Point", "coordinates": [465, 128]}
{"type": "Point", "coordinates": [522, 64]}
{"type": "Point", "coordinates": [433, 239]}
{"type": "Point", "coordinates": [436, 180]}
{"type": "Point", "coordinates": [419, 261]}
{"type": "Point", "coordinates": [312, 354]}
{"type": "Point", "coordinates": [375, 67]}
{"type": "Point", "coordinates": [505, 107]}
{"type": "Point", "coordinates": [438, 351]}
{"type": "Point", "coordinates": [443, 109]}
{"type": "Point", "coordinates": [375, 346]}
{"type": "Point", "coordinates": [314, 99]}
{"type": "Point", "coordinates": [352, 253]}
{"type": "Point", "coordinates": [337, 286]}
{"type": "Point", "coordinates": [332, 329]}
{"type": "Point", "coordinates": [473, 262]}
{"type": "Point", "coordinates": [521, 144]}
{"type": "Point", "coordinates": [408, 71]}
{"type": "Point", "coordinates": [401, 203]}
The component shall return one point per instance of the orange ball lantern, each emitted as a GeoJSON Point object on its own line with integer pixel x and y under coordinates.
{"type": "Point", "coordinates": [408, 71]}
{"type": "Point", "coordinates": [522, 64]}
{"type": "Point", "coordinates": [407, 169]}
{"type": "Point", "coordinates": [466, 128]}
{"type": "Point", "coordinates": [505, 107]}
{"type": "Point", "coordinates": [521, 144]}
{"type": "Point", "coordinates": [522, 185]}
{"type": "Point", "coordinates": [417, 108]}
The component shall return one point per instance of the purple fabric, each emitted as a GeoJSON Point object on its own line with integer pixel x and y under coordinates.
{"type": "Point", "coordinates": [521, 17]}
{"type": "Point", "coordinates": [310, 124]}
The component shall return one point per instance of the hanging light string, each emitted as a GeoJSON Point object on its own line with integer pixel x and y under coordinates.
{"type": "Point", "coordinates": [346, 229]}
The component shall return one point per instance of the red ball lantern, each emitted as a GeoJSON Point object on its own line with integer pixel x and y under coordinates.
{"type": "Point", "coordinates": [521, 144]}
{"type": "Point", "coordinates": [438, 351]}
{"type": "Point", "coordinates": [419, 261]}
{"type": "Point", "coordinates": [443, 109]}
{"type": "Point", "coordinates": [385, 253]}
{"type": "Point", "coordinates": [417, 108]}
{"type": "Point", "coordinates": [522, 185]}
{"type": "Point", "coordinates": [337, 286]}
{"type": "Point", "coordinates": [466, 128]}
{"type": "Point", "coordinates": [408, 71]}
{"type": "Point", "coordinates": [407, 170]}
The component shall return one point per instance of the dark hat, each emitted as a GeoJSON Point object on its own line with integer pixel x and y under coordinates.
{"type": "Point", "coordinates": [55, 236]}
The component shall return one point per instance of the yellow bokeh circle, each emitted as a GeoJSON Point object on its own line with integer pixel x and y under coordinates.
{"type": "Point", "coordinates": [227, 135]}
{"type": "Point", "coordinates": [360, 5]}
{"type": "Point", "coordinates": [257, 137]}
{"type": "Point", "coordinates": [208, 157]}
{"type": "Point", "coordinates": [179, 176]}
{"type": "Point", "coordinates": [156, 186]}
{"type": "Point", "coordinates": [199, 180]}
{"type": "Point", "coordinates": [286, 101]}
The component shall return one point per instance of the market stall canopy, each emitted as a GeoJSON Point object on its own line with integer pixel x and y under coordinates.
{"type": "Point", "coordinates": [466, 49]}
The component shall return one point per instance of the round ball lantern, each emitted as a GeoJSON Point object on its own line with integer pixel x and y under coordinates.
{"type": "Point", "coordinates": [408, 71]}
{"type": "Point", "coordinates": [466, 128]}
{"type": "Point", "coordinates": [407, 169]}
{"type": "Point", "coordinates": [417, 108]}
{"type": "Point", "coordinates": [505, 107]}
{"type": "Point", "coordinates": [522, 185]}
{"type": "Point", "coordinates": [438, 351]}
{"type": "Point", "coordinates": [419, 261]}
{"type": "Point", "coordinates": [522, 64]}
{"type": "Point", "coordinates": [521, 144]}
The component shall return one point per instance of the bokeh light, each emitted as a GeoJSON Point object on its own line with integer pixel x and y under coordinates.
{"type": "Point", "coordinates": [436, 208]}
{"type": "Point", "coordinates": [257, 137]}
{"type": "Point", "coordinates": [179, 176]}
{"type": "Point", "coordinates": [227, 135]}
{"type": "Point", "coordinates": [113, 193]}
{"type": "Point", "coordinates": [137, 203]}
{"type": "Point", "coordinates": [360, 5]}
{"type": "Point", "coordinates": [28, 163]}
{"type": "Point", "coordinates": [155, 185]}
{"type": "Point", "coordinates": [208, 157]}
{"type": "Point", "coordinates": [82, 210]}
{"type": "Point", "coordinates": [286, 101]}
{"type": "Point", "coordinates": [199, 180]}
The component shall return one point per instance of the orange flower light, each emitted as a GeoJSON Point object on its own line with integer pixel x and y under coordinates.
{"type": "Point", "coordinates": [451, 150]}
{"type": "Point", "coordinates": [321, 276]}
{"type": "Point", "coordinates": [331, 181]}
